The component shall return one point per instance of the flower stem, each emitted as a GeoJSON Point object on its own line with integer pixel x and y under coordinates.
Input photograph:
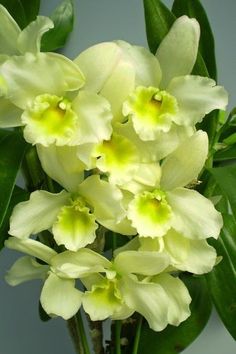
{"type": "Point", "coordinates": [118, 325]}
{"type": "Point", "coordinates": [82, 333]}
{"type": "Point", "coordinates": [137, 336]}
{"type": "Point", "coordinates": [73, 329]}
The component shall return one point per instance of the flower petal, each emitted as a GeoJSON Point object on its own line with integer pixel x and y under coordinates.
{"type": "Point", "coordinates": [140, 262]}
{"type": "Point", "coordinates": [194, 216]}
{"type": "Point", "coordinates": [196, 97]}
{"type": "Point", "coordinates": [94, 118]}
{"type": "Point", "coordinates": [29, 39]}
{"type": "Point", "coordinates": [10, 115]}
{"type": "Point", "coordinates": [31, 75]}
{"type": "Point", "coordinates": [36, 214]}
{"type": "Point", "coordinates": [97, 63]}
{"type": "Point", "coordinates": [178, 296]}
{"type": "Point", "coordinates": [194, 256]}
{"type": "Point", "coordinates": [24, 269]}
{"type": "Point", "coordinates": [75, 227]}
{"type": "Point", "coordinates": [102, 301]}
{"type": "Point", "coordinates": [149, 299]}
{"type": "Point", "coordinates": [184, 164]}
{"type": "Point", "coordinates": [31, 247]}
{"type": "Point", "coordinates": [177, 52]}
{"type": "Point", "coordinates": [79, 264]}
{"type": "Point", "coordinates": [60, 298]}
{"type": "Point", "coordinates": [9, 33]}
{"type": "Point", "coordinates": [61, 164]}
{"type": "Point", "coordinates": [106, 199]}
{"type": "Point", "coordinates": [146, 66]}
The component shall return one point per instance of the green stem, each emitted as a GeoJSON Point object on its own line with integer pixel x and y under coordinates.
{"type": "Point", "coordinates": [137, 336]}
{"type": "Point", "coordinates": [82, 333]}
{"type": "Point", "coordinates": [118, 325]}
{"type": "Point", "coordinates": [73, 330]}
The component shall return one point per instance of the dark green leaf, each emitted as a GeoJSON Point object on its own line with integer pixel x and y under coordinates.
{"type": "Point", "coordinates": [225, 178]}
{"type": "Point", "coordinates": [43, 315]}
{"type": "Point", "coordinates": [194, 9]}
{"type": "Point", "coordinates": [63, 18]}
{"type": "Point", "coordinates": [222, 280]}
{"type": "Point", "coordinates": [226, 154]}
{"type": "Point", "coordinates": [158, 20]}
{"type": "Point", "coordinates": [12, 150]}
{"type": "Point", "coordinates": [23, 11]}
{"type": "Point", "coordinates": [18, 195]}
{"type": "Point", "coordinates": [175, 339]}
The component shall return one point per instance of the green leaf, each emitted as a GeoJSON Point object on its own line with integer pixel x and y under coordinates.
{"type": "Point", "coordinates": [222, 280]}
{"type": "Point", "coordinates": [12, 150]}
{"type": "Point", "coordinates": [226, 154]}
{"type": "Point", "coordinates": [63, 18]}
{"type": "Point", "coordinates": [23, 11]}
{"type": "Point", "coordinates": [18, 195]}
{"type": "Point", "coordinates": [225, 178]}
{"type": "Point", "coordinates": [175, 339]}
{"type": "Point", "coordinates": [194, 9]}
{"type": "Point", "coordinates": [158, 19]}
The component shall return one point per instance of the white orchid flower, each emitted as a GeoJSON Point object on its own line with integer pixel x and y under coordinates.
{"type": "Point", "coordinates": [136, 282]}
{"type": "Point", "coordinates": [160, 201]}
{"type": "Point", "coordinates": [59, 297]}
{"type": "Point", "coordinates": [155, 92]}
{"type": "Point", "coordinates": [73, 217]}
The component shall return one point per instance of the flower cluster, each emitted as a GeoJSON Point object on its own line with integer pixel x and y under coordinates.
{"type": "Point", "coordinates": [116, 129]}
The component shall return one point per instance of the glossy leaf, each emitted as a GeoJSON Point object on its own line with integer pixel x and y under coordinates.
{"type": "Point", "coordinates": [226, 154]}
{"type": "Point", "coordinates": [158, 19]}
{"type": "Point", "coordinates": [12, 150]}
{"type": "Point", "coordinates": [175, 339]}
{"type": "Point", "coordinates": [195, 9]}
{"type": "Point", "coordinates": [225, 178]}
{"type": "Point", "coordinates": [222, 280]}
{"type": "Point", "coordinates": [18, 195]}
{"type": "Point", "coordinates": [23, 11]}
{"type": "Point", "coordinates": [63, 18]}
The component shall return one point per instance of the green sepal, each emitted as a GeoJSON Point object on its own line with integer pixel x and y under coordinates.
{"type": "Point", "coordinates": [63, 19]}
{"type": "Point", "coordinates": [12, 150]}
{"type": "Point", "coordinates": [173, 340]}
{"type": "Point", "coordinates": [23, 11]}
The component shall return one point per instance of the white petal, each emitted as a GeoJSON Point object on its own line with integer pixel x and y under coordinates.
{"type": "Point", "coordinates": [194, 216]}
{"type": "Point", "coordinates": [24, 269]}
{"type": "Point", "coordinates": [60, 298]}
{"type": "Point", "coordinates": [177, 52]}
{"type": "Point", "coordinates": [196, 97]}
{"type": "Point", "coordinates": [9, 32]}
{"type": "Point", "coordinates": [79, 264]}
{"type": "Point", "coordinates": [105, 198]}
{"type": "Point", "coordinates": [10, 115]}
{"type": "Point", "coordinates": [102, 301]}
{"type": "Point", "coordinates": [31, 75]}
{"type": "Point", "coordinates": [194, 256]}
{"type": "Point", "coordinates": [97, 63]}
{"type": "Point", "coordinates": [31, 247]}
{"type": "Point", "coordinates": [94, 118]}
{"type": "Point", "coordinates": [61, 164]}
{"type": "Point", "coordinates": [140, 262]}
{"type": "Point", "coordinates": [36, 214]}
{"type": "Point", "coordinates": [117, 88]}
{"type": "Point", "coordinates": [75, 227]}
{"type": "Point", "coordinates": [29, 39]}
{"type": "Point", "coordinates": [149, 299]}
{"type": "Point", "coordinates": [178, 297]}
{"type": "Point", "coordinates": [184, 164]}
{"type": "Point", "coordinates": [146, 66]}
